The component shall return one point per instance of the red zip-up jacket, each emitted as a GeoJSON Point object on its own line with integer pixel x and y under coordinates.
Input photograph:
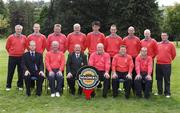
{"type": "Point", "coordinates": [93, 39]}
{"type": "Point", "coordinates": [55, 60]}
{"type": "Point", "coordinates": [100, 62]}
{"type": "Point", "coordinates": [133, 45]}
{"type": "Point", "coordinates": [151, 46]}
{"type": "Point", "coordinates": [112, 44]}
{"type": "Point", "coordinates": [40, 41]}
{"type": "Point", "coordinates": [61, 38]}
{"type": "Point", "coordinates": [122, 63]}
{"type": "Point", "coordinates": [73, 39]}
{"type": "Point", "coordinates": [143, 65]}
{"type": "Point", "coordinates": [16, 46]}
{"type": "Point", "coordinates": [166, 53]}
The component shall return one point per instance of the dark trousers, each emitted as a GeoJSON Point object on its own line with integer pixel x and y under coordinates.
{"type": "Point", "coordinates": [12, 63]}
{"type": "Point", "coordinates": [133, 76]}
{"type": "Point", "coordinates": [143, 85]}
{"type": "Point", "coordinates": [127, 84]}
{"type": "Point", "coordinates": [55, 82]}
{"type": "Point", "coordinates": [71, 83]}
{"type": "Point", "coordinates": [152, 77]}
{"type": "Point", "coordinates": [106, 82]}
{"type": "Point", "coordinates": [39, 83]}
{"type": "Point", "coordinates": [47, 74]}
{"type": "Point", "coordinates": [163, 71]}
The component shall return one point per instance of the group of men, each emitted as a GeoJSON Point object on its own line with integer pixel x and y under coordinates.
{"type": "Point", "coordinates": [130, 60]}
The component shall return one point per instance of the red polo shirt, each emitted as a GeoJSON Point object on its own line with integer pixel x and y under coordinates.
{"type": "Point", "coordinates": [93, 39]}
{"type": "Point", "coordinates": [151, 46]}
{"type": "Point", "coordinates": [122, 63]}
{"type": "Point", "coordinates": [133, 45]}
{"type": "Point", "coordinates": [166, 53]}
{"type": "Point", "coordinates": [40, 41]}
{"type": "Point", "coordinates": [61, 38]}
{"type": "Point", "coordinates": [100, 61]}
{"type": "Point", "coordinates": [73, 39]}
{"type": "Point", "coordinates": [143, 65]}
{"type": "Point", "coordinates": [15, 45]}
{"type": "Point", "coordinates": [112, 44]}
{"type": "Point", "coordinates": [55, 61]}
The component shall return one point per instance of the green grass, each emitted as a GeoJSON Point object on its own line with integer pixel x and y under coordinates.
{"type": "Point", "coordinates": [16, 102]}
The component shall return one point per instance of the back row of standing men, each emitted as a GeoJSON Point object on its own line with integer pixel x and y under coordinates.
{"type": "Point", "coordinates": [101, 51]}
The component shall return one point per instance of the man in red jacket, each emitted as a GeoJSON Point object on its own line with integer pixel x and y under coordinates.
{"type": "Point", "coordinates": [57, 36]}
{"type": "Point", "coordinates": [166, 54]}
{"type": "Point", "coordinates": [76, 37]}
{"type": "Point", "coordinates": [55, 62]}
{"type": "Point", "coordinates": [113, 42]}
{"type": "Point", "coordinates": [132, 43]}
{"type": "Point", "coordinates": [38, 38]}
{"type": "Point", "coordinates": [122, 66]}
{"type": "Point", "coordinates": [143, 78]}
{"type": "Point", "coordinates": [15, 46]}
{"type": "Point", "coordinates": [94, 37]}
{"type": "Point", "coordinates": [101, 61]}
{"type": "Point", "coordinates": [151, 46]}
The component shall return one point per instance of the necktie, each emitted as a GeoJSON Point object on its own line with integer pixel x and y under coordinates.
{"type": "Point", "coordinates": [33, 60]}
{"type": "Point", "coordinates": [77, 56]}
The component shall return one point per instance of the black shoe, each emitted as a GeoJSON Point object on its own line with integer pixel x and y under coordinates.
{"type": "Point", "coordinates": [28, 95]}
{"type": "Point", "coordinates": [79, 93]}
{"type": "Point", "coordinates": [114, 96]}
{"type": "Point", "coordinates": [93, 94]}
{"type": "Point", "coordinates": [38, 94]}
{"type": "Point", "coordinates": [104, 96]}
{"type": "Point", "coordinates": [139, 96]}
{"type": "Point", "coordinates": [146, 97]}
{"type": "Point", "coordinates": [127, 96]}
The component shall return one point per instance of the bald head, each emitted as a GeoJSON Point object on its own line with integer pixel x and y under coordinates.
{"type": "Point", "coordinates": [147, 33]}
{"type": "Point", "coordinates": [100, 48]}
{"type": "Point", "coordinates": [143, 52]}
{"type": "Point", "coordinates": [77, 27]}
{"type": "Point", "coordinates": [36, 28]}
{"type": "Point", "coordinates": [131, 31]}
{"type": "Point", "coordinates": [55, 46]}
{"type": "Point", "coordinates": [32, 45]}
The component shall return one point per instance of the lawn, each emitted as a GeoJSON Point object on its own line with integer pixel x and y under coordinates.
{"type": "Point", "coordinates": [16, 102]}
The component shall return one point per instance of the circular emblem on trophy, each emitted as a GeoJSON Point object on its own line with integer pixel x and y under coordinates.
{"type": "Point", "coordinates": [88, 77]}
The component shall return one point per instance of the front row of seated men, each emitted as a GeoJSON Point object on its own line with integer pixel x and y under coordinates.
{"type": "Point", "coordinates": [122, 66]}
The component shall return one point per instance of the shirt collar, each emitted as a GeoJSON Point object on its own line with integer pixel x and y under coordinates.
{"type": "Point", "coordinates": [113, 35]}
{"type": "Point", "coordinates": [147, 39]}
{"type": "Point", "coordinates": [32, 52]}
{"type": "Point", "coordinates": [17, 35]}
{"type": "Point", "coordinates": [55, 34]}
{"type": "Point", "coordinates": [94, 32]}
{"type": "Point", "coordinates": [165, 42]}
{"type": "Point", "coordinates": [37, 34]}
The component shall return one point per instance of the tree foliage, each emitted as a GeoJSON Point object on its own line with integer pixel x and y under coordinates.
{"type": "Point", "coordinates": [172, 21]}
{"type": "Point", "coordinates": [21, 12]}
{"type": "Point", "coordinates": [124, 13]}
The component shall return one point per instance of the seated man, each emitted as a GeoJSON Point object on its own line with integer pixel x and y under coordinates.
{"type": "Point", "coordinates": [33, 67]}
{"type": "Point", "coordinates": [143, 79]}
{"type": "Point", "coordinates": [101, 61]}
{"type": "Point", "coordinates": [75, 61]}
{"type": "Point", "coordinates": [55, 62]}
{"type": "Point", "coordinates": [122, 66]}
